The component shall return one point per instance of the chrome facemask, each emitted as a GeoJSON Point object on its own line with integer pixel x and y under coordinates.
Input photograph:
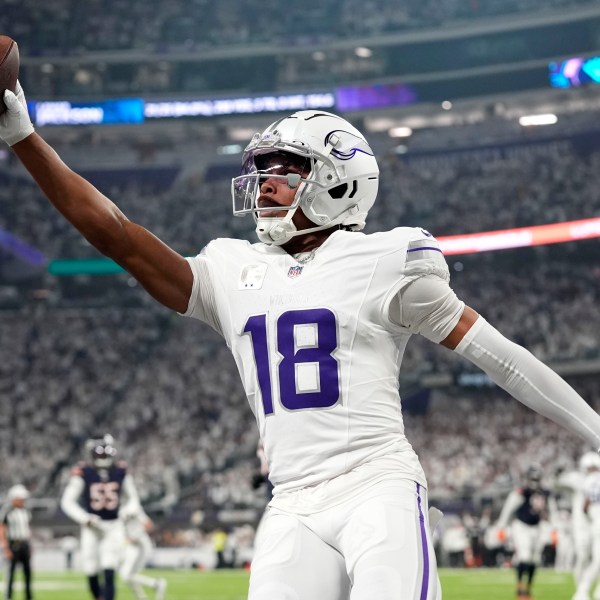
{"type": "Point", "coordinates": [267, 156]}
{"type": "Point", "coordinates": [259, 166]}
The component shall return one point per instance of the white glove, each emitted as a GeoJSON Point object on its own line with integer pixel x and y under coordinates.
{"type": "Point", "coordinates": [127, 513]}
{"type": "Point", "coordinates": [15, 124]}
{"type": "Point", "coordinates": [95, 522]}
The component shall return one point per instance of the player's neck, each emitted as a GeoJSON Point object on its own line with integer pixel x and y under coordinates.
{"type": "Point", "coordinates": [308, 242]}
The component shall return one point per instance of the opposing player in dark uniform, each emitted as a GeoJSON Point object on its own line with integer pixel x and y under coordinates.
{"type": "Point", "coordinates": [526, 507]}
{"type": "Point", "coordinates": [93, 498]}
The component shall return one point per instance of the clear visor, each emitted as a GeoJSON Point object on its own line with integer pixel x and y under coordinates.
{"type": "Point", "coordinates": [261, 167]}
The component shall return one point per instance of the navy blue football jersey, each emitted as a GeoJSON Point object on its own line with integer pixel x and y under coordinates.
{"type": "Point", "coordinates": [534, 506]}
{"type": "Point", "coordinates": [102, 493]}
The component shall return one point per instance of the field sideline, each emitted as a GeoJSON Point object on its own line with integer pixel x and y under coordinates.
{"type": "Point", "coordinates": [458, 584]}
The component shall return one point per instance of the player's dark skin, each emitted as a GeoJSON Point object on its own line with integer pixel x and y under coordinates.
{"type": "Point", "coordinates": [163, 273]}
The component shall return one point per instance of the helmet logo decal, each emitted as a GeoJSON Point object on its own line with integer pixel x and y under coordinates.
{"type": "Point", "coordinates": [347, 154]}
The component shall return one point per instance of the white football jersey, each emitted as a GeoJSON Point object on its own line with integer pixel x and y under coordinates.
{"type": "Point", "coordinates": [592, 493]}
{"type": "Point", "coordinates": [575, 481]}
{"type": "Point", "coordinates": [318, 355]}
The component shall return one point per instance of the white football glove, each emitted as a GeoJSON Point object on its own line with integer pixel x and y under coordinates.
{"type": "Point", "coordinates": [15, 124]}
{"type": "Point", "coordinates": [95, 522]}
{"type": "Point", "coordinates": [127, 512]}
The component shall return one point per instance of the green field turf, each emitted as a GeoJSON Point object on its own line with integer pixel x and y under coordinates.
{"type": "Point", "coordinates": [457, 584]}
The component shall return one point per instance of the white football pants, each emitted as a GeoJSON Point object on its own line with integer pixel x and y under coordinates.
{"type": "Point", "coordinates": [376, 544]}
{"type": "Point", "coordinates": [527, 540]}
{"type": "Point", "coordinates": [101, 547]}
{"type": "Point", "coordinates": [135, 557]}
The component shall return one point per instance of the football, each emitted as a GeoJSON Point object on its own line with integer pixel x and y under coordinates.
{"type": "Point", "coordinates": [9, 67]}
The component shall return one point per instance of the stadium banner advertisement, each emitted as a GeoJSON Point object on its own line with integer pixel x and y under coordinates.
{"type": "Point", "coordinates": [374, 96]}
{"type": "Point", "coordinates": [137, 111]}
{"type": "Point", "coordinates": [169, 109]}
{"type": "Point", "coordinates": [107, 112]}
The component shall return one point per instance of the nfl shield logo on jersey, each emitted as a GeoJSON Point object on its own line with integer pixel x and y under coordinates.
{"type": "Point", "coordinates": [295, 271]}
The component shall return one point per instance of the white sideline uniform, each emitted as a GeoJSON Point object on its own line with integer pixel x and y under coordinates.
{"type": "Point", "coordinates": [580, 522]}
{"type": "Point", "coordinates": [327, 405]}
{"type": "Point", "coordinates": [592, 571]}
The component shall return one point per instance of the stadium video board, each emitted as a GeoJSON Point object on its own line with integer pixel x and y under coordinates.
{"type": "Point", "coordinates": [575, 72]}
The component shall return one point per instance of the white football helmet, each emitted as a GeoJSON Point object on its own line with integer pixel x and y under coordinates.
{"type": "Point", "coordinates": [589, 461]}
{"type": "Point", "coordinates": [325, 158]}
{"type": "Point", "coordinates": [101, 450]}
{"type": "Point", "coordinates": [534, 474]}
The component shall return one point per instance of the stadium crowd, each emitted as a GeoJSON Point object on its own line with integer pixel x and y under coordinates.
{"type": "Point", "coordinates": [67, 27]}
{"type": "Point", "coordinates": [450, 192]}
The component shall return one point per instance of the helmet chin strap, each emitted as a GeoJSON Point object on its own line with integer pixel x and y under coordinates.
{"type": "Point", "coordinates": [276, 232]}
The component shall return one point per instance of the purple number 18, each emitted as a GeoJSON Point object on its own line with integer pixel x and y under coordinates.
{"type": "Point", "coordinates": [294, 354]}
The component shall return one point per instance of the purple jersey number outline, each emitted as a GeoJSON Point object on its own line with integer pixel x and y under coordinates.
{"type": "Point", "coordinates": [328, 392]}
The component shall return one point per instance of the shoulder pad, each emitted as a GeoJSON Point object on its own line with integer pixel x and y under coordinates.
{"type": "Point", "coordinates": [424, 256]}
{"type": "Point", "coordinates": [226, 245]}
{"type": "Point", "coordinates": [121, 464]}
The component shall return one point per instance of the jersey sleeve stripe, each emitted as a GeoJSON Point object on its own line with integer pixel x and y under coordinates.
{"type": "Point", "coordinates": [423, 248]}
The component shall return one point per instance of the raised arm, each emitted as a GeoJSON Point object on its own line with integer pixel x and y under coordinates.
{"type": "Point", "coordinates": [164, 273]}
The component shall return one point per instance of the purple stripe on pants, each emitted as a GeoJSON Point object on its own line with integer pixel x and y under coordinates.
{"type": "Point", "coordinates": [425, 582]}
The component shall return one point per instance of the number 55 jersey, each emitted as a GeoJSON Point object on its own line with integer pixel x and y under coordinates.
{"type": "Point", "coordinates": [102, 492]}
{"type": "Point", "coordinates": [317, 350]}
{"type": "Point", "coordinates": [98, 492]}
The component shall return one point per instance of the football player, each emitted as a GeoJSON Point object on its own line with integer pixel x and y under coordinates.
{"type": "Point", "coordinates": [526, 507]}
{"type": "Point", "coordinates": [317, 316]}
{"type": "Point", "coordinates": [590, 493]}
{"type": "Point", "coordinates": [138, 547]}
{"type": "Point", "coordinates": [581, 527]}
{"type": "Point", "coordinates": [97, 490]}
